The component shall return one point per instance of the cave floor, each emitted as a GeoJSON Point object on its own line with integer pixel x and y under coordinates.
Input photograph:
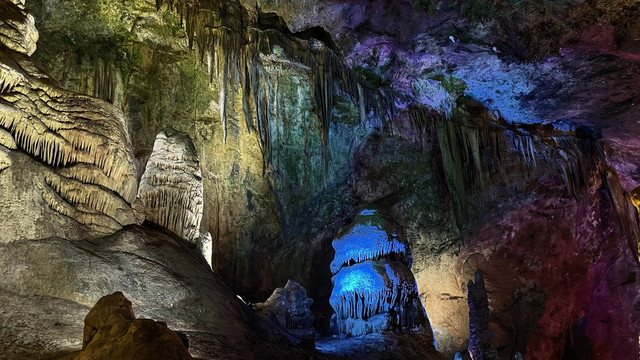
{"type": "Point", "coordinates": [386, 345]}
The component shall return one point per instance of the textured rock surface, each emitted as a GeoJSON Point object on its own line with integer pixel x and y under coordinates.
{"type": "Point", "coordinates": [373, 286]}
{"type": "Point", "coordinates": [53, 283]}
{"type": "Point", "coordinates": [525, 185]}
{"type": "Point", "coordinates": [111, 331]}
{"type": "Point", "coordinates": [80, 160]}
{"type": "Point", "coordinates": [171, 186]}
{"type": "Point", "coordinates": [268, 177]}
{"type": "Point", "coordinates": [480, 335]}
{"type": "Point", "coordinates": [17, 30]}
{"type": "Point", "coordinates": [291, 309]}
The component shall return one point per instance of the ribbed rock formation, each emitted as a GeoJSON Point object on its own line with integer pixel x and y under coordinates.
{"type": "Point", "coordinates": [79, 148]}
{"type": "Point", "coordinates": [171, 186]}
{"type": "Point", "coordinates": [374, 288]}
{"type": "Point", "coordinates": [17, 29]}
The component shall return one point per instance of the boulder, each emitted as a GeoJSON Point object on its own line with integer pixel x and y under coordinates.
{"type": "Point", "coordinates": [111, 331]}
{"type": "Point", "coordinates": [291, 309]}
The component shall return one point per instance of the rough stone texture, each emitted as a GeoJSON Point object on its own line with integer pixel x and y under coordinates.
{"type": "Point", "coordinates": [17, 29]}
{"type": "Point", "coordinates": [290, 308]}
{"type": "Point", "coordinates": [111, 330]}
{"type": "Point", "coordinates": [480, 335]}
{"type": "Point", "coordinates": [515, 190]}
{"type": "Point", "coordinates": [53, 282]}
{"type": "Point", "coordinates": [261, 184]}
{"type": "Point", "coordinates": [536, 173]}
{"type": "Point", "coordinates": [171, 186]}
{"type": "Point", "coordinates": [81, 159]}
{"type": "Point", "coordinates": [373, 287]}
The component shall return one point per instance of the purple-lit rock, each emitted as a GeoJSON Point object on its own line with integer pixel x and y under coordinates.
{"type": "Point", "coordinates": [480, 335]}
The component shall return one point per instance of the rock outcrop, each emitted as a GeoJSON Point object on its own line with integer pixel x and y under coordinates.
{"type": "Point", "coordinates": [79, 164]}
{"type": "Point", "coordinates": [111, 331]}
{"type": "Point", "coordinates": [17, 29]}
{"type": "Point", "coordinates": [53, 283]}
{"type": "Point", "coordinates": [480, 335]}
{"type": "Point", "coordinates": [291, 309]}
{"type": "Point", "coordinates": [486, 162]}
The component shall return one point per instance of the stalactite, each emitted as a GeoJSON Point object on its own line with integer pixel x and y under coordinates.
{"type": "Point", "coordinates": [9, 78]}
{"type": "Point", "coordinates": [91, 219]}
{"type": "Point", "coordinates": [231, 38]}
{"type": "Point", "coordinates": [367, 242]}
{"type": "Point", "coordinates": [474, 147]}
{"type": "Point", "coordinates": [374, 288]}
{"type": "Point", "coordinates": [83, 141]}
{"type": "Point", "coordinates": [368, 289]}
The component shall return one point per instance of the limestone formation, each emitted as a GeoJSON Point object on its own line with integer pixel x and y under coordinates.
{"type": "Point", "coordinates": [171, 186]}
{"type": "Point", "coordinates": [111, 331]}
{"type": "Point", "coordinates": [204, 244]}
{"type": "Point", "coordinates": [17, 27]}
{"type": "Point", "coordinates": [440, 118]}
{"type": "Point", "coordinates": [81, 159]}
{"type": "Point", "coordinates": [373, 287]}
{"type": "Point", "coordinates": [290, 308]}
{"type": "Point", "coordinates": [5, 159]}
{"type": "Point", "coordinates": [160, 276]}
{"type": "Point", "coordinates": [480, 335]}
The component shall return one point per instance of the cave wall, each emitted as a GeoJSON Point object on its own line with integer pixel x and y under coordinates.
{"type": "Point", "coordinates": [285, 165]}
{"type": "Point", "coordinates": [257, 176]}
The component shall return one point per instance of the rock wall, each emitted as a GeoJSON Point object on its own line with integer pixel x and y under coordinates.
{"type": "Point", "coordinates": [291, 143]}
{"type": "Point", "coordinates": [267, 145]}
{"type": "Point", "coordinates": [74, 155]}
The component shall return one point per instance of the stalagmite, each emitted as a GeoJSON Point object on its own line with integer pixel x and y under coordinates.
{"type": "Point", "coordinates": [480, 335]}
{"type": "Point", "coordinates": [171, 186]}
{"type": "Point", "coordinates": [374, 289]}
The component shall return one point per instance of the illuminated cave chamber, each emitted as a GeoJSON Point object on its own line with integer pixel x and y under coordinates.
{"type": "Point", "coordinates": [373, 286]}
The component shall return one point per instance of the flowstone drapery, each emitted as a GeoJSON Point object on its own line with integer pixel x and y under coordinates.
{"type": "Point", "coordinates": [374, 289]}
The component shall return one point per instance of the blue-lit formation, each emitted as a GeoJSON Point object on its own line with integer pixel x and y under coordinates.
{"type": "Point", "coordinates": [374, 289]}
{"type": "Point", "coordinates": [367, 240]}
